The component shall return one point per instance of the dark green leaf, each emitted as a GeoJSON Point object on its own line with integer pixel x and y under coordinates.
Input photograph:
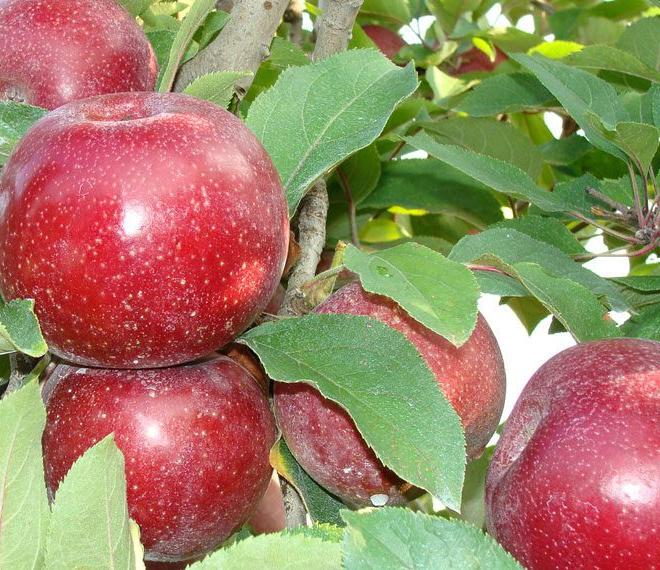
{"type": "Point", "coordinates": [505, 93]}
{"type": "Point", "coordinates": [498, 284]}
{"type": "Point", "coordinates": [562, 152]}
{"type": "Point", "coordinates": [644, 325]}
{"type": "Point", "coordinates": [650, 283]}
{"type": "Point", "coordinates": [317, 115]}
{"type": "Point", "coordinates": [437, 292]}
{"type": "Point", "coordinates": [373, 372]}
{"type": "Point", "coordinates": [611, 59]}
{"type": "Point", "coordinates": [435, 187]}
{"type": "Point", "coordinates": [359, 174]}
{"type": "Point", "coordinates": [321, 505]}
{"type": "Point", "coordinates": [641, 39]}
{"type": "Point", "coordinates": [395, 538]}
{"type": "Point", "coordinates": [547, 230]}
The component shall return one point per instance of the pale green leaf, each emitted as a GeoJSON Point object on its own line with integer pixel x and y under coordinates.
{"type": "Point", "coordinates": [19, 329]}
{"type": "Point", "coordinates": [437, 292]}
{"type": "Point", "coordinates": [637, 140]}
{"type": "Point", "coordinates": [283, 551]}
{"type": "Point", "coordinates": [193, 20]}
{"type": "Point", "coordinates": [217, 87]}
{"type": "Point", "coordinates": [396, 538]}
{"type": "Point", "coordinates": [317, 115]}
{"type": "Point", "coordinates": [373, 372]}
{"type": "Point", "coordinates": [89, 524]}
{"type": "Point", "coordinates": [395, 11]}
{"type": "Point", "coordinates": [135, 7]}
{"type": "Point", "coordinates": [612, 59]}
{"type": "Point", "coordinates": [24, 512]}
{"type": "Point", "coordinates": [15, 120]}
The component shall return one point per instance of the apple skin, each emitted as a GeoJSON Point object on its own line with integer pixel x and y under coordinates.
{"type": "Point", "coordinates": [387, 41]}
{"type": "Point", "coordinates": [475, 60]}
{"type": "Point", "coordinates": [150, 228]}
{"type": "Point", "coordinates": [575, 478]}
{"type": "Point", "coordinates": [57, 51]}
{"type": "Point", "coordinates": [322, 436]}
{"type": "Point", "coordinates": [195, 439]}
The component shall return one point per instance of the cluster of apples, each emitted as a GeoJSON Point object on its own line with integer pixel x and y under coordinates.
{"type": "Point", "coordinates": [151, 229]}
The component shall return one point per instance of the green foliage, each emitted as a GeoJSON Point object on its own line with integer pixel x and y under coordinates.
{"type": "Point", "coordinates": [89, 524]}
{"type": "Point", "coordinates": [24, 506]}
{"type": "Point", "coordinates": [317, 115]}
{"type": "Point", "coordinates": [393, 538]}
{"type": "Point", "coordinates": [216, 87]}
{"type": "Point", "coordinates": [373, 372]}
{"type": "Point", "coordinates": [15, 120]}
{"type": "Point", "coordinates": [321, 505]}
{"type": "Point", "coordinates": [437, 292]}
{"type": "Point", "coordinates": [19, 329]}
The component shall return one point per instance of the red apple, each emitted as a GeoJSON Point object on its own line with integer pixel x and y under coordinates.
{"type": "Point", "coordinates": [324, 439]}
{"type": "Point", "coordinates": [387, 41]}
{"type": "Point", "coordinates": [56, 51]}
{"type": "Point", "coordinates": [575, 478]}
{"type": "Point", "coordinates": [195, 440]}
{"type": "Point", "coordinates": [149, 228]}
{"type": "Point", "coordinates": [475, 60]}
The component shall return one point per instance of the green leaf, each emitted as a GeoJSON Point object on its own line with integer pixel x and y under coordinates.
{"type": "Point", "coordinates": [395, 538]}
{"type": "Point", "coordinates": [193, 20]}
{"type": "Point", "coordinates": [547, 230]}
{"type": "Point", "coordinates": [321, 505]}
{"type": "Point", "coordinates": [327, 532]}
{"type": "Point", "coordinates": [573, 193]}
{"type": "Point", "coordinates": [360, 173]}
{"type": "Point", "coordinates": [512, 247]}
{"type": "Point", "coordinates": [285, 54]}
{"type": "Point", "coordinates": [373, 372]}
{"type": "Point", "coordinates": [579, 92]}
{"type": "Point", "coordinates": [395, 11]}
{"type": "Point", "coordinates": [641, 39]}
{"type": "Point", "coordinates": [572, 304]}
{"type": "Point", "coordinates": [282, 551]}
{"type": "Point", "coordinates": [135, 7]}
{"type": "Point", "coordinates": [217, 87]}
{"type": "Point", "coordinates": [637, 140]}
{"type": "Point", "coordinates": [647, 283]}
{"type": "Point", "coordinates": [317, 115]}
{"type": "Point", "coordinates": [19, 329]}
{"type": "Point", "coordinates": [439, 293]}
{"type": "Point", "coordinates": [473, 508]}
{"type": "Point", "coordinates": [89, 524]}
{"type": "Point", "coordinates": [15, 120]}
{"type": "Point", "coordinates": [498, 284]}
{"type": "Point", "coordinates": [644, 325]}
{"type": "Point", "coordinates": [24, 505]}
{"type": "Point", "coordinates": [612, 59]}
{"type": "Point", "coordinates": [562, 152]}
{"type": "Point", "coordinates": [490, 137]}
{"type": "Point", "coordinates": [208, 31]}
{"type": "Point", "coordinates": [496, 174]}
{"type": "Point", "coordinates": [435, 187]}
{"type": "Point", "coordinates": [505, 93]}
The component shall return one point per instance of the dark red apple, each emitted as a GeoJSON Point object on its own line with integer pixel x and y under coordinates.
{"type": "Point", "coordinates": [387, 41]}
{"type": "Point", "coordinates": [475, 60]}
{"type": "Point", "coordinates": [324, 439]}
{"type": "Point", "coordinates": [575, 478]}
{"type": "Point", "coordinates": [56, 51]}
{"type": "Point", "coordinates": [150, 228]}
{"type": "Point", "coordinates": [195, 440]}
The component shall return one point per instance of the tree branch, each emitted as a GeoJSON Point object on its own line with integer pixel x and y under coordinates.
{"type": "Point", "coordinates": [242, 44]}
{"type": "Point", "coordinates": [333, 34]}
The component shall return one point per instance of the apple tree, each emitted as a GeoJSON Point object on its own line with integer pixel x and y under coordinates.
{"type": "Point", "coordinates": [242, 244]}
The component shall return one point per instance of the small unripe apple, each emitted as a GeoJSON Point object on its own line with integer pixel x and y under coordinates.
{"type": "Point", "coordinates": [474, 60]}
{"type": "Point", "coordinates": [386, 40]}
{"type": "Point", "coordinates": [575, 478]}
{"type": "Point", "coordinates": [56, 51]}
{"type": "Point", "coordinates": [323, 437]}
{"type": "Point", "coordinates": [195, 440]}
{"type": "Point", "coordinates": [150, 228]}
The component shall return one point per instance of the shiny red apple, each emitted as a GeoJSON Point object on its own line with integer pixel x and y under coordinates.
{"type": "Point", "coordinates": [575, 478]}
{"type": "Point", "coordinates": [56, 51]}
{"type": "Point", "coordinates": [324, 439]}
{"type": "Point", "coordinates": [195, 440]}
{"type": "Point", "coordinates": [386, 40]}
{"type": "Point", "coordinates": [150, 229]}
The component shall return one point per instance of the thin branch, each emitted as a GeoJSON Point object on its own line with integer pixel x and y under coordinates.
{"type": "Point", "coordinates": [605, 229]}
{"type": "Point", "coordinates": [333, 33]}
{"type": "Point", "coordinates": [352, 212]}
{"type": "Point", "coordinates": [241, 45]}
{"type": "Point", "coordinates": [639, 210]}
